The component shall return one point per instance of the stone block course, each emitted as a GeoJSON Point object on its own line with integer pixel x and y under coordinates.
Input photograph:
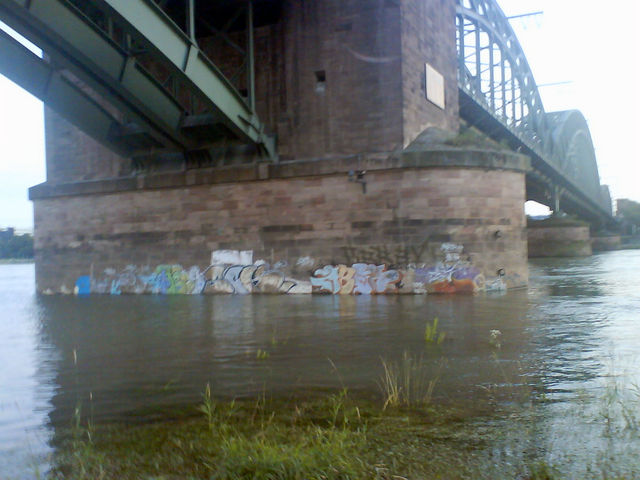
{"type": "Point", "coordinates": [559, 241]}
{"type": "Point", "coordinates": [159, 226]}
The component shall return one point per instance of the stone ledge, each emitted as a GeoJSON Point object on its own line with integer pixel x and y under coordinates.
{"type": "Point", "coordinates": [436, 158]}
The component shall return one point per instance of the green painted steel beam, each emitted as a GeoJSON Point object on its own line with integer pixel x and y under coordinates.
{"type": "Point", "coordinates": [37, 76]}
{"type": "Point", "coordinates": [72, 40]}
{"type": "Point", "coordinates": [68, 38]}
{"type": "Point", "coordinates": [148, 23]}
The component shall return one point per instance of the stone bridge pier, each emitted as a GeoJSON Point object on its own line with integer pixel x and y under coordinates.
{"type": "Point", "coordinates": [374, 190]}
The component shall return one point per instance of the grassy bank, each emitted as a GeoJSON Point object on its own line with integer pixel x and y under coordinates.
{"type": "Point", "coordinates": [404, 431]}
{"type": "Point", "coordinates": [332, 436]}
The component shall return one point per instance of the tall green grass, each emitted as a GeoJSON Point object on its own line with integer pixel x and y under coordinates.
{"type": "Point", "coordinates": [431, 334]}
{"type": "Point", "coordinates": [225, 440]}
{"type": "Point", "coordinates": [410, 381]}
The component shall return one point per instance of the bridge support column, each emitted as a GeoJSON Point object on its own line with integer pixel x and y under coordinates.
{"type": "Point", "coordinates": [556, 194]}
{"type": "Point", "coordinates": [558, 237]}
{"type": "Point", "coordinates": [440, 221]}
{"type": "Point", "coordinates": [605, 243]}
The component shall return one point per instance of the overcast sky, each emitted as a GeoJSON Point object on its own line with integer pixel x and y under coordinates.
{"type": "Point", "coordinates": [21, 153]}
{"type": "Point", "coordinates": [596, 47]}
{"type": "Point", "coordinates": [593, 45]}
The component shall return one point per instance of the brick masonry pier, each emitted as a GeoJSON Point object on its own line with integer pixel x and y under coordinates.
{"type": "Point", "coordinates": [365, 197]}
{"type": "Point", "coordinates": [558, 239]}
{"type": "Point", "coordinates": [410, 224]}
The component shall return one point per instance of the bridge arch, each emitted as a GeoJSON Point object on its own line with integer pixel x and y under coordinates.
{"type": "Point", "coordinates": [494, 72]}
{"type": "Point", "coordinates": [575, 153]}
{"type": "Point", "coordinates": [496, 83]}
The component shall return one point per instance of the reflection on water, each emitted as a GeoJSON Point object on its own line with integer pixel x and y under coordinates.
{"type": "Point", "coordinates": [570, 340]}
{"type": "Point", "coordinates": [142, 351]}
{"type": "Point", "coordinates": [27, 370]}
{"type": "Point", "coordinates": [587, 320]}
{"type": "Point", "coordinates": [134, 352]}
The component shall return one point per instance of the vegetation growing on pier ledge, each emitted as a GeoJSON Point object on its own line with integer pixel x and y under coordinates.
{"type": "Point", "coordinates": [471, 137]}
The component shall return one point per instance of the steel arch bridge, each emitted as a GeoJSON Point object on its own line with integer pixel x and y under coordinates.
{"type": "Point", "coordinates": [132, 75]}
{"type": "Point", "coordinates": [499, 95]}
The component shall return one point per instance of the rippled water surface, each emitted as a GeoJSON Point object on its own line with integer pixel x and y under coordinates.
{"type": "Point", "coordinates": [571, 342]}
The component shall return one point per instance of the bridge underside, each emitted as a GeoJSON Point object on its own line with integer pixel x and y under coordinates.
{"type": "Point", "coordinates": [131, 77]}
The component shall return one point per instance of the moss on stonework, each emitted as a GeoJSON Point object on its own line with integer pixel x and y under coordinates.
{"type": "Point", "coordinates": [472, 137]}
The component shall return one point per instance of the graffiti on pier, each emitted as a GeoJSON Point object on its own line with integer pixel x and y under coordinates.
{"type": "Point", "coordinates": [164, 279]}
{"type": "Point", "coordinates": [261, 278]}
{"type": "Point", "coordinates": [453, 272]}
{"type": "Point", "coordinates": [83, 285]}
{"type": "Point", "coordinates": [450, 279]}
{"type": "Point", "coordinates": [234, 271]}
{"type": "Point", "coordinates": [385, 254]}
{"type": "Point", "coordinates": [174, 279]}
{"type": "Point", "coordinates": [360, 278]}
{"type": "Point", "coordinates": [331, 279]}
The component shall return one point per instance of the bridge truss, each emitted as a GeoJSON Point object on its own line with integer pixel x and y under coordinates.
{"type": "Point", "coordinates": [499, 95]}
{"type": "Point", "coordinates": [129, 75]}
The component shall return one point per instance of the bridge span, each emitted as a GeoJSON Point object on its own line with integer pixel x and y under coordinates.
{"type": "Point", "coordinates": [499, 95]}
{"type": "Point", "coordinates": [313, 146]}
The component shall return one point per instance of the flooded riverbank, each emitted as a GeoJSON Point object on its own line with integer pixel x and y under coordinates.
{"type": "Point", "coordinates": [563, 363]}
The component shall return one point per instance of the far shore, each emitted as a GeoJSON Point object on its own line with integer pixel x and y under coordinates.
{"type": "Point", "coordinates": [5, 261]}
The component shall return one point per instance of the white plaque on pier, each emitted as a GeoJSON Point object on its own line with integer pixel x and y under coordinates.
{"type": "Point", "coordinates": [434, 86]}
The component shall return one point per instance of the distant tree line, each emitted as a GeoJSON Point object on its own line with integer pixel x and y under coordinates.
{"type": "Point", "coordinates": [629, 210]}
{"type": "Point", "coordinates": [15, 246]}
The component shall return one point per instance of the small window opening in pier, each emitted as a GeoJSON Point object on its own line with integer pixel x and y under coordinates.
{"type": "Point", "coordinates": [321, 81]}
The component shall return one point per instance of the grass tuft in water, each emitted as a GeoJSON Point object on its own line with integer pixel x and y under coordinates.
{"type": "Point", "coordinates": [431, 334]}
{"type": "Point", "coordinates": [542, 471]}
{"type": "Point", "coordinates": [262, 354]}
{"type": "Point", "coordinates": [409, 382]}
{"type": "Point", "coordinates": [333, 436]}
{"type": "Point", "coordinates": [208, 406]}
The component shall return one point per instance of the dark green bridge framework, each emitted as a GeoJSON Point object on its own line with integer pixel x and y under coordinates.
{"type": "Point", "coordinates": [130, 74]}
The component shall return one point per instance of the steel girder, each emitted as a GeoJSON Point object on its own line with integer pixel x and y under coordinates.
{"type": "Point", "coordinates": [39, 78]}
{"type": "Point", "coordinates": [108, 65]}
{"type": "Point", "coordinates": [493, 70]}
{"type": "Point", "coordinates": [499, 95]}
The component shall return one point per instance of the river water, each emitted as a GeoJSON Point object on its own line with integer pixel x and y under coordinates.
{"type": "Point", "coordinates": [566, 350]}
